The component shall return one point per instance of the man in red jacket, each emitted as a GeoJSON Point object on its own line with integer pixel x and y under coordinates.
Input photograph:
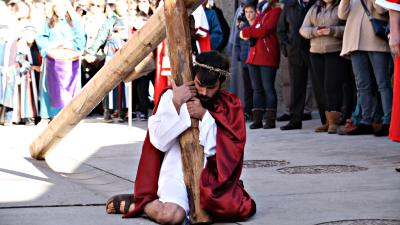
{"type": "Point", "coordinates": [160, 191]}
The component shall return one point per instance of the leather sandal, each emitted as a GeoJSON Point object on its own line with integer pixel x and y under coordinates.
{"type": "Point", "coordinates": [124, 200]}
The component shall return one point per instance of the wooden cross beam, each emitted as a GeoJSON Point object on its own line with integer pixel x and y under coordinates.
{"type": "Point", "coordinates": [116, 70]}
{"type": "Point", "coordinates": [180, 55]}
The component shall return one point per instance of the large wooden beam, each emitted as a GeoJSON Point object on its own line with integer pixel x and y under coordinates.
{"type": "Point", "coordinates": [180, 55]}
{"type": "Point", "coordinates": [120, 66]}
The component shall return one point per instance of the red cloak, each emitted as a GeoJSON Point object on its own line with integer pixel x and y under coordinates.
{"type": "Point", "coordinates": [394, 131]}
{"type": "Point", "coordinates": [222, 194]}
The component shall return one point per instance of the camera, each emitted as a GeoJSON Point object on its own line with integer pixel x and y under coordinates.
{"type": "Point", "coordinates": [252, 41]}
{"type": "Point", "coordinates": [242, 17]}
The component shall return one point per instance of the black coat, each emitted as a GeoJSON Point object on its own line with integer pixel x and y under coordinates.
{"type": "Point", "coordinates": [292, 44]}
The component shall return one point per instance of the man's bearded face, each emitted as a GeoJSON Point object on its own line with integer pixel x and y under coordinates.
{"type": "Point", "coordinates": [207, 94]}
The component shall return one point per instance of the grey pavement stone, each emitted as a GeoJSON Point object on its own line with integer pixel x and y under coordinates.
{"type": "Point", "coordinates": [97, 160]}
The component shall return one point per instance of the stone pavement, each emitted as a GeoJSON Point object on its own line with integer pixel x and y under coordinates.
{"type": "Point", "coordinates": [97, 160]}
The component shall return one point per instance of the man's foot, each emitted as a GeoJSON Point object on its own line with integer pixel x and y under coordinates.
{"type": "Point", "coordinates": [382, 131]}
{"type": "Point", "coordinates": [397, 169]}
{"type": "Point", "coordinates": [307, 116]}
{"type": "Point", "coordinates": [361, 129]}
{"type": "Point", "coordinates": [120, 204]}
{"type": "Point", "coordinates": [291, 126]}
{"type": "Point", "coordinates": [283, 117]}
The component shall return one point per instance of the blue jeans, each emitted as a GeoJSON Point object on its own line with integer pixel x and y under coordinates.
{"type": "Point", "coordinates": [263, 84]}
{"type": "Point", "coordinates": [362, 62]}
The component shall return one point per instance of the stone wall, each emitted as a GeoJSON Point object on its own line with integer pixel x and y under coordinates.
{"type": "Point", "coordinates": [228, 7]}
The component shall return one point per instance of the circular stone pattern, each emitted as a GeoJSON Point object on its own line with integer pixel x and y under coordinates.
{"type": "Point", "coordinates": [363, 222]}
{"type": "Point", "coordinates": [263, 163]}
{"type": "Point", "coordinates": [319, 169]}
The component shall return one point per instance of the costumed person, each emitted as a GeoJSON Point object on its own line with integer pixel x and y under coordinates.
{"type": "Point", "coordinates": [29, 60]}
{"type": "Point", "coordinates": [203, 43]}
{"type": "Point", "coordinates": [8, 64]}
{"type": "Point", "coordinates": [113, 34]}
{"type": "Point", "coordinates": [216, 35]}
{"type": "Point", "coordinates": [91, 23]}
{"type": "Point", "coordinates": [160, 191]}
{"type": "Point", "coordinates": [141, 102]}
{"type": "Point", "coordinates": [394, 41]}
{"type": "Point", "coordinates": [61, 42]}
{"type": "Point", "coordinates": [263, 62]}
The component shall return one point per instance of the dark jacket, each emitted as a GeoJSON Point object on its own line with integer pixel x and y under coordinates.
{"type": "Point", "coordinates": [242, 47]}
{"type": "Point", "coordinates": [292, 44]}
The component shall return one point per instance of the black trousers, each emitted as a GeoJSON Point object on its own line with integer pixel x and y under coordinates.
{"type": "Point", "coordinates": [330, 72]}
{"type": "Point", "coordinates": [248, 90]}
{"type": "Point", "coordinates": [141, 94]}
{"type": "Point", "coordinates": [298, 75]}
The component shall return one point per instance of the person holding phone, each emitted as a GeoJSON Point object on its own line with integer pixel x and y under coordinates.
{"type": "Point", "coordinates": [325, 31]}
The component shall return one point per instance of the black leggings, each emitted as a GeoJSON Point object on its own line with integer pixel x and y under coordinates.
{"type": "Point", "coordinates": [330, 71]}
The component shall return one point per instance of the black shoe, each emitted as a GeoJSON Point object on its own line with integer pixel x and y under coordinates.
{"type": "Point", "coordinates": [283, 117]}
{"type": "Point", "coordinates": [307, 116]}
{"type": "Point", "coordinates": [397, 169]}
{"type": "Point", "coordinates": [292, 126]}
{"type": "Point", "coordinates": [383, 131]}
{"type": "Point", "coordinates": [361, 129]}
{"type": "Point", "coordinates": [256, 126]}
{"type": "Point", "coordinates": [30, 122]}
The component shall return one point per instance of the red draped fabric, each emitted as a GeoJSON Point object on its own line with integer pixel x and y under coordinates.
{"type": "Point", "coordinates": [394, 1]}
{"type": "Point", "coordinates": [161, 82]}
{"type": "Point", "coordinates": [394, 131]}
{"type": "Point", "coordinates": [222, 194]}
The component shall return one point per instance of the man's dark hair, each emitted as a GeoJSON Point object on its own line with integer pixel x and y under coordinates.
{"type": "Point", "coordinates": [210, 67]}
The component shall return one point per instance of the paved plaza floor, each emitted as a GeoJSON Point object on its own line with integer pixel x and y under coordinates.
{"type": "Point", "coordinates": [350, 178]}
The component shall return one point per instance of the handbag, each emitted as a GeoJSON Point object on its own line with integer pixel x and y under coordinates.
{"type": "Point", "coordinates": [379, 26]}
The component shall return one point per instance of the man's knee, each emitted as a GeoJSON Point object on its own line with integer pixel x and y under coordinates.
{"type": "Point", "coordinates": [171, 214]}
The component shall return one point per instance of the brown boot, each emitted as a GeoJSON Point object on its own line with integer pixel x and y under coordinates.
{"type": "Point", "coordinates": [257, 119]}
{"type": "Point", "coordinates": [270, 117]}
{"type": "Point", "coordinates": [333, 118]}
{"type": "Point", "coordinates": [323, 128]}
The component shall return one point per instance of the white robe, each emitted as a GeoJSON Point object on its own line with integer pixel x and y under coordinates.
{"type": "Point", "coordinates": [164, 129]}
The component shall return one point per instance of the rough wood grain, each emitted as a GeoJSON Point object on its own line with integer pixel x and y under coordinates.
{"type": "Point", "coordinates": [120, 66]}
{"type": "Point", "coordinates": [180, 55]}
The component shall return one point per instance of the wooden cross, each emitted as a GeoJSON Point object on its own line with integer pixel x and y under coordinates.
{"type": "Point", "coordinates": [180, 55]}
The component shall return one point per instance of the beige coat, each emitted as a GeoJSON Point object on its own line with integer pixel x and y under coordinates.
{"type": "Point", "coordinates": [327, 18]}
{"type": "Point", "coordinates": [358, 33]}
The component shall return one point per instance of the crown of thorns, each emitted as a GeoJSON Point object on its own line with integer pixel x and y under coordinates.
{"type": "Point", "coordinates": [213, 69]}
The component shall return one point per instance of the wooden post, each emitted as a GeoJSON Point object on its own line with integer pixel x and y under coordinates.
{"type": "Point", "coordinates": [180, 55]}
{"type": "Point", "coordinates": [121, 64]}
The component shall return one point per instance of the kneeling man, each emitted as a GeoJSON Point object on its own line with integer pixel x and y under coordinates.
{"type": "Point", "coordinates": [160, 191]}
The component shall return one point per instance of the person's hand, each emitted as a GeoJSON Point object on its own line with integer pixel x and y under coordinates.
{"type": "Point", "coordinates": [241, 36]}
{"type": "Point", "coordinates": [394, 43]}
{"type": "Point", "coordinates": [36, 68]}
{"type": "Point", "coordinates": [183, 93]}
{"type": "Point", "coordinates": [240, 24]}
{"type": "Point", "coordinates": [195, 108]}
{"type": "Point", "coordinates": [324, 31]}
{"type": "Point", "coordinates": [90, 58]}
